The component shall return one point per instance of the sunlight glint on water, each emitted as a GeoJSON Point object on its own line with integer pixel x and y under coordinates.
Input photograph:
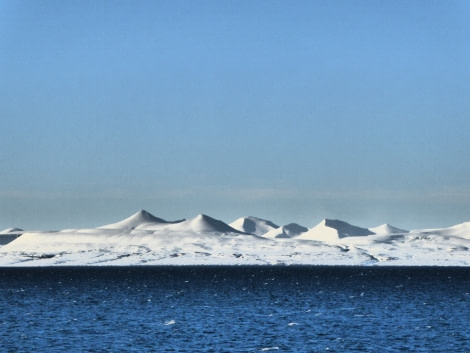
{"type": "Point", "coordinates": [235, 309]}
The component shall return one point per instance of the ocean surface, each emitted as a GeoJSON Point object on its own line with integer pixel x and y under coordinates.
{"type": "Point", "coordinates": [235, 309]}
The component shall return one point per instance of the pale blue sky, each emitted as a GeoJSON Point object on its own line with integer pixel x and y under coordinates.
{"type": "Point", "coordinates": [287, 110]}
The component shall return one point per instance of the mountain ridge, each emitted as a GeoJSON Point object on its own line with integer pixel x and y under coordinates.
{"type": "Point", "coordinates": [137, 219]}
{"type": "Point", "coordinates": [334, 229]}
{"type": "Point", "coordinates": [290, 230]}
{"type": "Point", "coordinates": [253, 225]}
{"type": "Point", "coordinates": [387, 229]}
{"type": "Point", "coordinates": [204, 223]}
{"type": "Point", "coordinates": [143, 239]}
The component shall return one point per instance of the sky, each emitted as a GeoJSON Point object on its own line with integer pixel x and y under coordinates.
{"type": "Point", "coordinates": [291, 111]}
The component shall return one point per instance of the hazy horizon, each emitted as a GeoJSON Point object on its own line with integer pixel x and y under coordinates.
{"type": "Point", "coordinates": [288, 111]}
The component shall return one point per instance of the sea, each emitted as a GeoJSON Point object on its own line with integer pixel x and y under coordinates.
{"type": "Point", "coordinates": [235, 309]}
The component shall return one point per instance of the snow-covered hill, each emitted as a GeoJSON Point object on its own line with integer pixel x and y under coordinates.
{"type": "Point", "coordinates": [11, 230]}
{"type": "Point", "coordinates": [333, 230]}
{"type": "Point", "coordinates": [290, 230]}
{"type": "Point", "coordinates": [253, 225]}
{"type": "Point", "coordinates": [141, 219]}
{"type": "Point", "coordinates": [459, 230]}
{"type": "Point", "coordinates": [143, 239]}
{"type": "Point", "coordinates": [203, 224]}
{"type": "Point", "coordinates": [387, 229]}
{"type": "Point", "coordinates": [9, 234]}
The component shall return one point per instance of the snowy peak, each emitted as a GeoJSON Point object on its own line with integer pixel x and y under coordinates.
{"type": "Point", "coordinates": [253, 225]}
{"type": "Point", "coordinates": [287, 231]}
{"type": "Point", "coordinates": [345, 229]}
{"type": "Point", "coordinates": [203, 223]}
{"type": "Point", "coordinates": [387, 229]}
{"type": "Point", "coordinates": [294, 229]}
{"type": "Point", "coordinates": [137, 219]}
{"type": "Point", "coordinates": [462, 229]}
{"type": "Point", "coordinates": [145, 239]}
{"type": "Point", "coordinates": [144, 216]}
{"type": "Point", "coordinates": [333, 229]}
{"type": "Point", "coordinates": [11, 230]}
{"type": "Point", "coordinates": [459, 230]}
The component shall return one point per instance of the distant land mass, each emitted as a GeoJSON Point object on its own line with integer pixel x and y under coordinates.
{"type": "Point", "coordinates": [144, 239]}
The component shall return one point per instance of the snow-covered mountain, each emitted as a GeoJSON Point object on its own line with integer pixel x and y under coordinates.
{"type": "Point", "coordinates": [387, 229]}
{"type": "Point", "coordinates": [290, 230]}
{"type": "Point", "coordinates": [143, 239]}
{"type": "Point", "coordinates": [204, 224]}
{"type": "Point", "coordinates": [9, 234]}
{"type": "Point", "coordinates": [253, 225]}
{"type": "Point", "coordinates": [332, 230]}
{"type": "Point", "coordinates": [459, 230]}
{"type": "Point", "coordinates": [142, 219]}
{"type": "Point", "coordinates": [11, 230]}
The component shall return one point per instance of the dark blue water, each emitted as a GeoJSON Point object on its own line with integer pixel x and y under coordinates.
{"type": "Point", "coordinates": [235, 309]}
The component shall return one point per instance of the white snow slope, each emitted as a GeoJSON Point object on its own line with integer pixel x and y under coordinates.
{"type": "Point", "coordinates": [253, 225]}
{"type": "Point", "coordinates": [143, 239]}
{"type": "Point", "coordinates": [288, 231]}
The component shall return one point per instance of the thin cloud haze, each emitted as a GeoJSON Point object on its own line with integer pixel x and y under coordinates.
{"type": "Point", "coordinates": [291, 111]}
